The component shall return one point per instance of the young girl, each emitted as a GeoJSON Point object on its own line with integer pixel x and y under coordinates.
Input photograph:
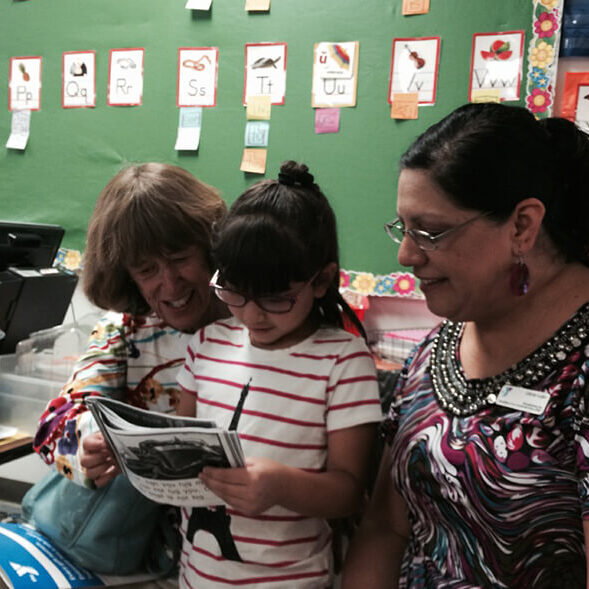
{"type": "Point", "coordinates": [307, 424]}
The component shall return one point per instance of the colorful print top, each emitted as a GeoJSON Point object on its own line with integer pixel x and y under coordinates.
{"type": "Point", "coordinates": [133, 359]}
{"type": "Point", "coordinates": [497, 498]}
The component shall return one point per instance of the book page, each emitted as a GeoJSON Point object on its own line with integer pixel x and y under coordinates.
{"type": "Point", "coordinates": [164, 463]}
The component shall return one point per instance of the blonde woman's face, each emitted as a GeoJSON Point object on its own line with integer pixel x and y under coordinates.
{"type": "Point", "coordinates": [176, 287]}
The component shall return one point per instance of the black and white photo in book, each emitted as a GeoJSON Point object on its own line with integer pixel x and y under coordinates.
{"type": "Point", "coordinates": [162, 455]}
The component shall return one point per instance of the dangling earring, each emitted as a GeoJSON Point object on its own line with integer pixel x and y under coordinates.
{"type": "Point", "coordinates": [519, 278]}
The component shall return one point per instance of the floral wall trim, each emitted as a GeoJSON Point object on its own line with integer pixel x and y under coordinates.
{"type": "Point", "coordinates": [543, 56]}
{"type": "Point", "coordinates": [68, 260]}
{"type": "Point", "coordinates": [395, 284]}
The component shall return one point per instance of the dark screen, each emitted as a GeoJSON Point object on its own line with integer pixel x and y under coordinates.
{"type": "Point", "coordinates": [28, 245]}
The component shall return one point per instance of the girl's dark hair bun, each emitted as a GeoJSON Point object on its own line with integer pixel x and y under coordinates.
{"type": "Point", "coordinates": [294, 174]}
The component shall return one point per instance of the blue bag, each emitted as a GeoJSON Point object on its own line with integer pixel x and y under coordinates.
{"type": "Point", "coordinates": [111, 530]}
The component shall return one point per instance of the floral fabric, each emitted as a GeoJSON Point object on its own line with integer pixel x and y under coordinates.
{"type": "Point", "coordinates": [133, 359]}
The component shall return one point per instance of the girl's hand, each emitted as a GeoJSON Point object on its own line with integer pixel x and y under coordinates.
{"type": "Point", "coordinates": [98, 460]}
{"type": "Point", "coordinates": [251, 489]}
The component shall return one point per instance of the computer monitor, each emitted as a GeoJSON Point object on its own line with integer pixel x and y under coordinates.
{"type": "Point", "coordinates": [33, 294]}
{"type": "Point", "coordinates": [28, 245]}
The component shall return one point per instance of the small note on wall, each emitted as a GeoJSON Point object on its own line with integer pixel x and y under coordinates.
{"type": "Point", "coordinates": [256, 133]}
{"type": "Point", "coordinates": [24, 83]}
{"type": "Point", "coordinates": [415, 7]}
{"type": "Point", "coordinates": [19, 132]}
{"type": "Point", "coordinates": [405, 106]}
{"type": "Point", "coordinates": [487, 95]}
{"type": "Point", "coordinates": [125, 77]}
{"type": "Point", "coordinates": [257, 5]}
{"type": "Point", "coordinates": [327, 120]}
{"type": "Point", "coordinates": [258, 108]}
{"type": "Point", "coordinates": [198, 4]}
{"type": "Point", "coordinates": [253, 161]}
{"type": "Point", "coordinates": [189, 126]}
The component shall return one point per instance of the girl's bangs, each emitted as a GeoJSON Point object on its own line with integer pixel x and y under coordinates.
{"type": "Point", "coordinates": [257, 256]}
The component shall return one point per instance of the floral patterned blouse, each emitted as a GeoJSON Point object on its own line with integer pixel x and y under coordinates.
{"type": "Point", "coordinates": [130, 358]}
{"type": "Point", "coordinates": [496, 498]}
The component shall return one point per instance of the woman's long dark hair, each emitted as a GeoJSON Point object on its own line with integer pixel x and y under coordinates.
{"type": "Point", "coordinates": [282, 231]}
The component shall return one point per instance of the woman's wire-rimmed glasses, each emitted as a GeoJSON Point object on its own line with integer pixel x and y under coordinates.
{"type": "Point", "coordinates": [269, 303]}
{"type": "Point", "coordinates": [424, 239]}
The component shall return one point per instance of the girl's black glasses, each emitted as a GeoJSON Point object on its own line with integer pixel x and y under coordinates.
{"type": "Point", "coordinates": [269, 303]}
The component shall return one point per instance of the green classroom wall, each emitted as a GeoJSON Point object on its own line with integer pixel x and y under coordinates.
{"type": "Point", "coordinates": [72, 153]}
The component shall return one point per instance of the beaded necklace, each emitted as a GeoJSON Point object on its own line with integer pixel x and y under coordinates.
{"type": "Point", "coordinates": [463, 397]}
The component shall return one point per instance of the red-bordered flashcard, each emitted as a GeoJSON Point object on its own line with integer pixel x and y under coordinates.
{"type": "Point", "coordinates": [335, 74]}
{"type": "Point", "coordinates": [78, 79]}
{"type": "Point", "coordinates": [197, 76]}
{"type": "Point", "coordinates": [125, 77]}
{"type": "Point", "coordinates": [265, 71]}
{"type": "Point", "coordinates": [24, 83]}
{"type": "Point", "coordinates": [496, 62]}
{"type": "Point", "coordinates": [575, 97]}
{"type": "Point", "coordinates": [414, 68]}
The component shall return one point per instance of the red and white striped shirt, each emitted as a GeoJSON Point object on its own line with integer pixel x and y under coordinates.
{"type": "Point", "coordinates": [297, 396]}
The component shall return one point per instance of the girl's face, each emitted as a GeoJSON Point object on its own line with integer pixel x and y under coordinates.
{"type": "Point", "coordinates": [467, 277]}
{"type": "Point", "coordinates": [273, 331]}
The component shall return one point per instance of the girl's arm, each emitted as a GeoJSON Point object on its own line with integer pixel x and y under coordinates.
{"type": "Point", "coordinates": [186, 405]}
{"type": "Point", "coordinates": [374, 558]}
{"type": "Point", "coordinates": [263, 482]}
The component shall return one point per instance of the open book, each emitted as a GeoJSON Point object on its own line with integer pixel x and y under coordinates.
{"type": "Point", "coordinates": [162, 455]}
{"type": "Point", "coordinates": [29, 559]}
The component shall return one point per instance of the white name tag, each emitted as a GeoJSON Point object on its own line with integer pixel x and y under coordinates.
{"type": "Point", "coordinates": [523, 399]}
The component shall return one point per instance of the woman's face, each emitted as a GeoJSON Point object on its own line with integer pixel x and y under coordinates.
{"type": "Point", "coordinates": [176, 287]}
{"type": "Point", "coordinates": [467, 276]}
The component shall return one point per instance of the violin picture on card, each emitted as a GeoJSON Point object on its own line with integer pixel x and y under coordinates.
{"type": "Point", "coordinates": [414, 68]}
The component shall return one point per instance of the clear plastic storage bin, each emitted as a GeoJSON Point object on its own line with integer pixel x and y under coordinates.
{"type": "Point", "coordinates": [23, 398]}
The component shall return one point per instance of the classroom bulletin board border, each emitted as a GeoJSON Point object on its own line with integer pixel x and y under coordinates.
{"type": "Point", "coordinates": [541, 54]}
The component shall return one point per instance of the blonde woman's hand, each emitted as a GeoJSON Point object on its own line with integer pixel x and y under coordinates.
{"type": "Point", "coordinates": [97, 459]}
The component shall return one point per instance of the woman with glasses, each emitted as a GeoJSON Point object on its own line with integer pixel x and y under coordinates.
{"type": "Point", "coordinates": [485, 479]}
{"type": "Point", "coordinates": [307, 423]}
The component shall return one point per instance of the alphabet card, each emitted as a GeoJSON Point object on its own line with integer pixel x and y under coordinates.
{"type": "Point", "coordinates": [197, 76]}
{"type": "Point", "coordinates": [575, 99]}
{"type": "Point", "coordinates": [78, 79]}
{"type": "Point", "coordinates": [414, 68]}
{"type": "Point", "coordinates": [496, 62]}
{"type": "Point", "coordinates": [265, 71]}
{"type": "Point", "coordinates": [335, 74]}
{"type": "Point", "coordinates": [125, 77]}
{"type": "Point", "coordinates": [24, 83]}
